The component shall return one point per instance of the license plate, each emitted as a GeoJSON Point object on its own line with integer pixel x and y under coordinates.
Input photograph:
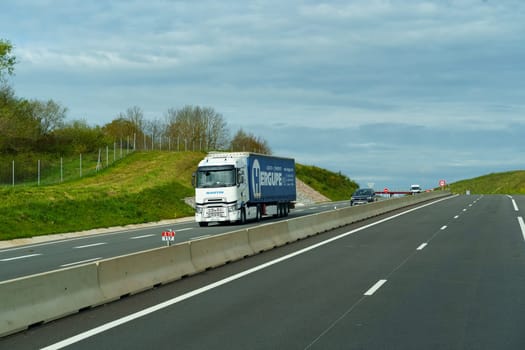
{"type": "Point", "coordinates": [215, 212]}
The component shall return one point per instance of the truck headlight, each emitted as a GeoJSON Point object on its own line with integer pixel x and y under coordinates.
{"type": "Point", "coordinates": [232, 208]}
{"type": "Point", "coordinates": [198, 209]}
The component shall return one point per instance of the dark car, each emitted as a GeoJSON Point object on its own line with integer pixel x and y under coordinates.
{"type": "Point", "coordinates": [363, 196]}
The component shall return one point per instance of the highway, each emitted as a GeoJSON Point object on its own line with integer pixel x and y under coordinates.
{"type": "Point", "coordinates": [446, 275]}
{"type": "Point", "coordinates": [42, 257]}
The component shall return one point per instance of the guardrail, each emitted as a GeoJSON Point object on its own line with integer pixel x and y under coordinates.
{"type": "Point", "coordinates": [44, 297]}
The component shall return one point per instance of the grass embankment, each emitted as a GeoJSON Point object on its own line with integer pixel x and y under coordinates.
{"type": "Point", "coordinates": [333, 185]}
{"type": "Point", "coordinates": [511, 182]}
{"type": "Point", "coordinates": [142, 187]}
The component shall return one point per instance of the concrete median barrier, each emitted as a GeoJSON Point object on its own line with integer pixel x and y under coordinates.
{"type": "Point", "coordinates": [218, 250]}
{"type": "Point", "coordinates": [133, 273]}
{"type": "Point", "coordinates": [268, 236]}
{"type": "Point", "coordinates": [44, 297]}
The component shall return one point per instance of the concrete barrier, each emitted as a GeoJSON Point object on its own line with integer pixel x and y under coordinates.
{"type": "Point", "coordinates": [218, 250]}
{"type": "Point", "coordinates": [133, 273]}
{"type": "Point", "coordinates": [44, 297]}
{"type": "Point", "coordinates": [268, 236]}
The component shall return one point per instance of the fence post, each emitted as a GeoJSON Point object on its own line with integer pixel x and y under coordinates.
{"type": "Point", "coordinates": [13, 178]}
{"type": "Point", "coordinates": [61, 169]}
{"type": "Point", "coordinates": [80, 164]}
{"type": "Point", "coordinates": [38, 182]}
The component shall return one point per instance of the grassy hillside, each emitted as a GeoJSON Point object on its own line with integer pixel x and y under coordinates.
{"type": "Point", "coordinates": [333, 185]}
{"type": "Point", "coordinates": [512, 182]}
{"type": "Point", "coordinates": [143, 187]}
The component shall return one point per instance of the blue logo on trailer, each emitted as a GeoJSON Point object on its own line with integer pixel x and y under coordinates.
{"type": "Point", "coordinates": [256, 179]}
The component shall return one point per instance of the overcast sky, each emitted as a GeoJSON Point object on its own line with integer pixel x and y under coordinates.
{"type": "Point", "coordinates": [387, 92]}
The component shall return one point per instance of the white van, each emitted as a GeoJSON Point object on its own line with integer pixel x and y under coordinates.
{"type": "Point", "coordinates": [415, 189]}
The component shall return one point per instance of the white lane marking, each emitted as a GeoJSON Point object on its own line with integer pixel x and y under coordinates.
{"type": "Point", "coordinates": [184, 229]}
{"type": "Point", "coordinates": [299, 210]}
{"type": "Point", "coordinates": [375, 287]}
{"type": "Point", "coordinates": [457, 216]}
{"type": "Point", "coordinates": [80, 262]}
{"type": "Point", "coordinates": [100, 329]}
{"type": "Point", "coordinates": [464, 209]}
{"type": "Point", "coordinates": [522, 226]}
{"type": "Point", "coordinates": [515, 205]}
{"type": "Point", "coordinates": [199, 237]}
{"type": "Point", "coordinates": [470, 205]}
{"type": "Point", "coordinates": [443, 228]}
{"type": "Point", "coordinates": [143, 236]}
{"type": "Point", "coordinates": [20, 257]}
{"type": "Point", "coordinates": [422, 246]}
{"type": "Point", "coordinates": [89, 245]}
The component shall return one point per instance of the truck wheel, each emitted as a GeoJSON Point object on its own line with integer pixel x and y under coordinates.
{"type": "Point", "coordinates": [258, 214]}
{"type": "Point", "coordinates": [203, 224]}
{"type": "Point", "coordinates": [243, 216]}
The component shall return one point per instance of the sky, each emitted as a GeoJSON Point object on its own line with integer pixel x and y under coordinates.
{"type": "Point", "coordinates": [388, 92]}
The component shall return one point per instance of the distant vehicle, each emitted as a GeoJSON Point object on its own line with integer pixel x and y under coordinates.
{"type": "Point", "coordinates": [415, 189]}
{"type": "Point", "coordinates": [363, 196]}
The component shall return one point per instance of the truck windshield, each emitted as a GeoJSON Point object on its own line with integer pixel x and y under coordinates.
{"type": "Point", "coordinates": [216, 177]}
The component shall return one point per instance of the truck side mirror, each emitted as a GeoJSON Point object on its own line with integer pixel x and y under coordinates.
{"type": "Point", "coordinates": [240, 177]}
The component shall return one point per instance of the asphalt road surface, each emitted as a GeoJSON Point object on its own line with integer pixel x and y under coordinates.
{"type": "Point", "coordinates": [447, 275]}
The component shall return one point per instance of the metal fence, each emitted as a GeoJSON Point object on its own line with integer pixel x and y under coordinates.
{"type": "Point", "coordinates": [46, 170]}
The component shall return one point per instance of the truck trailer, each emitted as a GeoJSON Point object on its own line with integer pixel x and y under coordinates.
{"type": "Point", "coordinates": [239, 186]}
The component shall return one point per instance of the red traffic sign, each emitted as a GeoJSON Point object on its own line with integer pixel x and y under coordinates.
{"type": "Point", "coordinates": [385, 190]}
{"type": "Point", "coordinates": [442, 183]}
{"type": "Point", "coordinates": [168, 235]}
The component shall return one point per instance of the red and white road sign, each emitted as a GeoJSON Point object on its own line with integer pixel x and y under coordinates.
{"type": "Point", "coordinates": [385, 190]}
{"type": "Point", "coordinates": [442, 183]}
{"type": "Point", "coordinates": [168, 235]}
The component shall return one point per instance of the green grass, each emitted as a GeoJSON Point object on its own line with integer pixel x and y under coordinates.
{"type": "Point", "coordinates": [512, 182]}
{"type": "Point", "coordinates": [335, 186]}
{"type": "Point", "coordinates": [142, 187]}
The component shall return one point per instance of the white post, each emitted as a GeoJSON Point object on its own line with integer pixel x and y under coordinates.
{"type": "Point", "coordinates": [38, 182]}
{"type": "Point", "coordinates": [61, 169]}
{"type": "Point", "coordinates": [80, 164]}
{"type": "Point", "coordinates": [13, 173]}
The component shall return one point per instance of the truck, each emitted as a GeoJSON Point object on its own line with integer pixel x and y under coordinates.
{"type": "Point", "coordinates": [233, 187]}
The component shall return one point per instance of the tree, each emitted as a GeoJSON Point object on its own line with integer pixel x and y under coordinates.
{"type": "Point", "coordinates": [247, 142]}
{"type": "Point", "coordinates": [50, 115]}
{"type": "Point", "coordinates": [199, 128]}
{"type": "Point", "coordinates": [19, 131]}
{"type": "Point", "coordinates": [7, 60]}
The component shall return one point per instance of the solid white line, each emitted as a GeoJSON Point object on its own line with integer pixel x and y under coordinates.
{"type": "Point", "coordinates": [522, 226]}
{"type": "Point", "coordinates": [144, 236]}
{"type": "Point", "coordinates": [457, 216]}
{"type": "Point", "coordinates": [515, 205]}
{"type": "Point", "coordinates": [421, 247]}
{"type": "Point", "coordinates": [89, 245]}
{"type": "Point", "coordinates": [155, 308]}
{"type": "Point", "coordinates": [199, 237]}
{"type": "Point", "coordinates": [444, 227]}
{"type": "Point", "coordinates": [80, 262]}
{"type": "Point", "coordinates": [375, 287]}
{"type": "Point", "coordinates": [20, 257]}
